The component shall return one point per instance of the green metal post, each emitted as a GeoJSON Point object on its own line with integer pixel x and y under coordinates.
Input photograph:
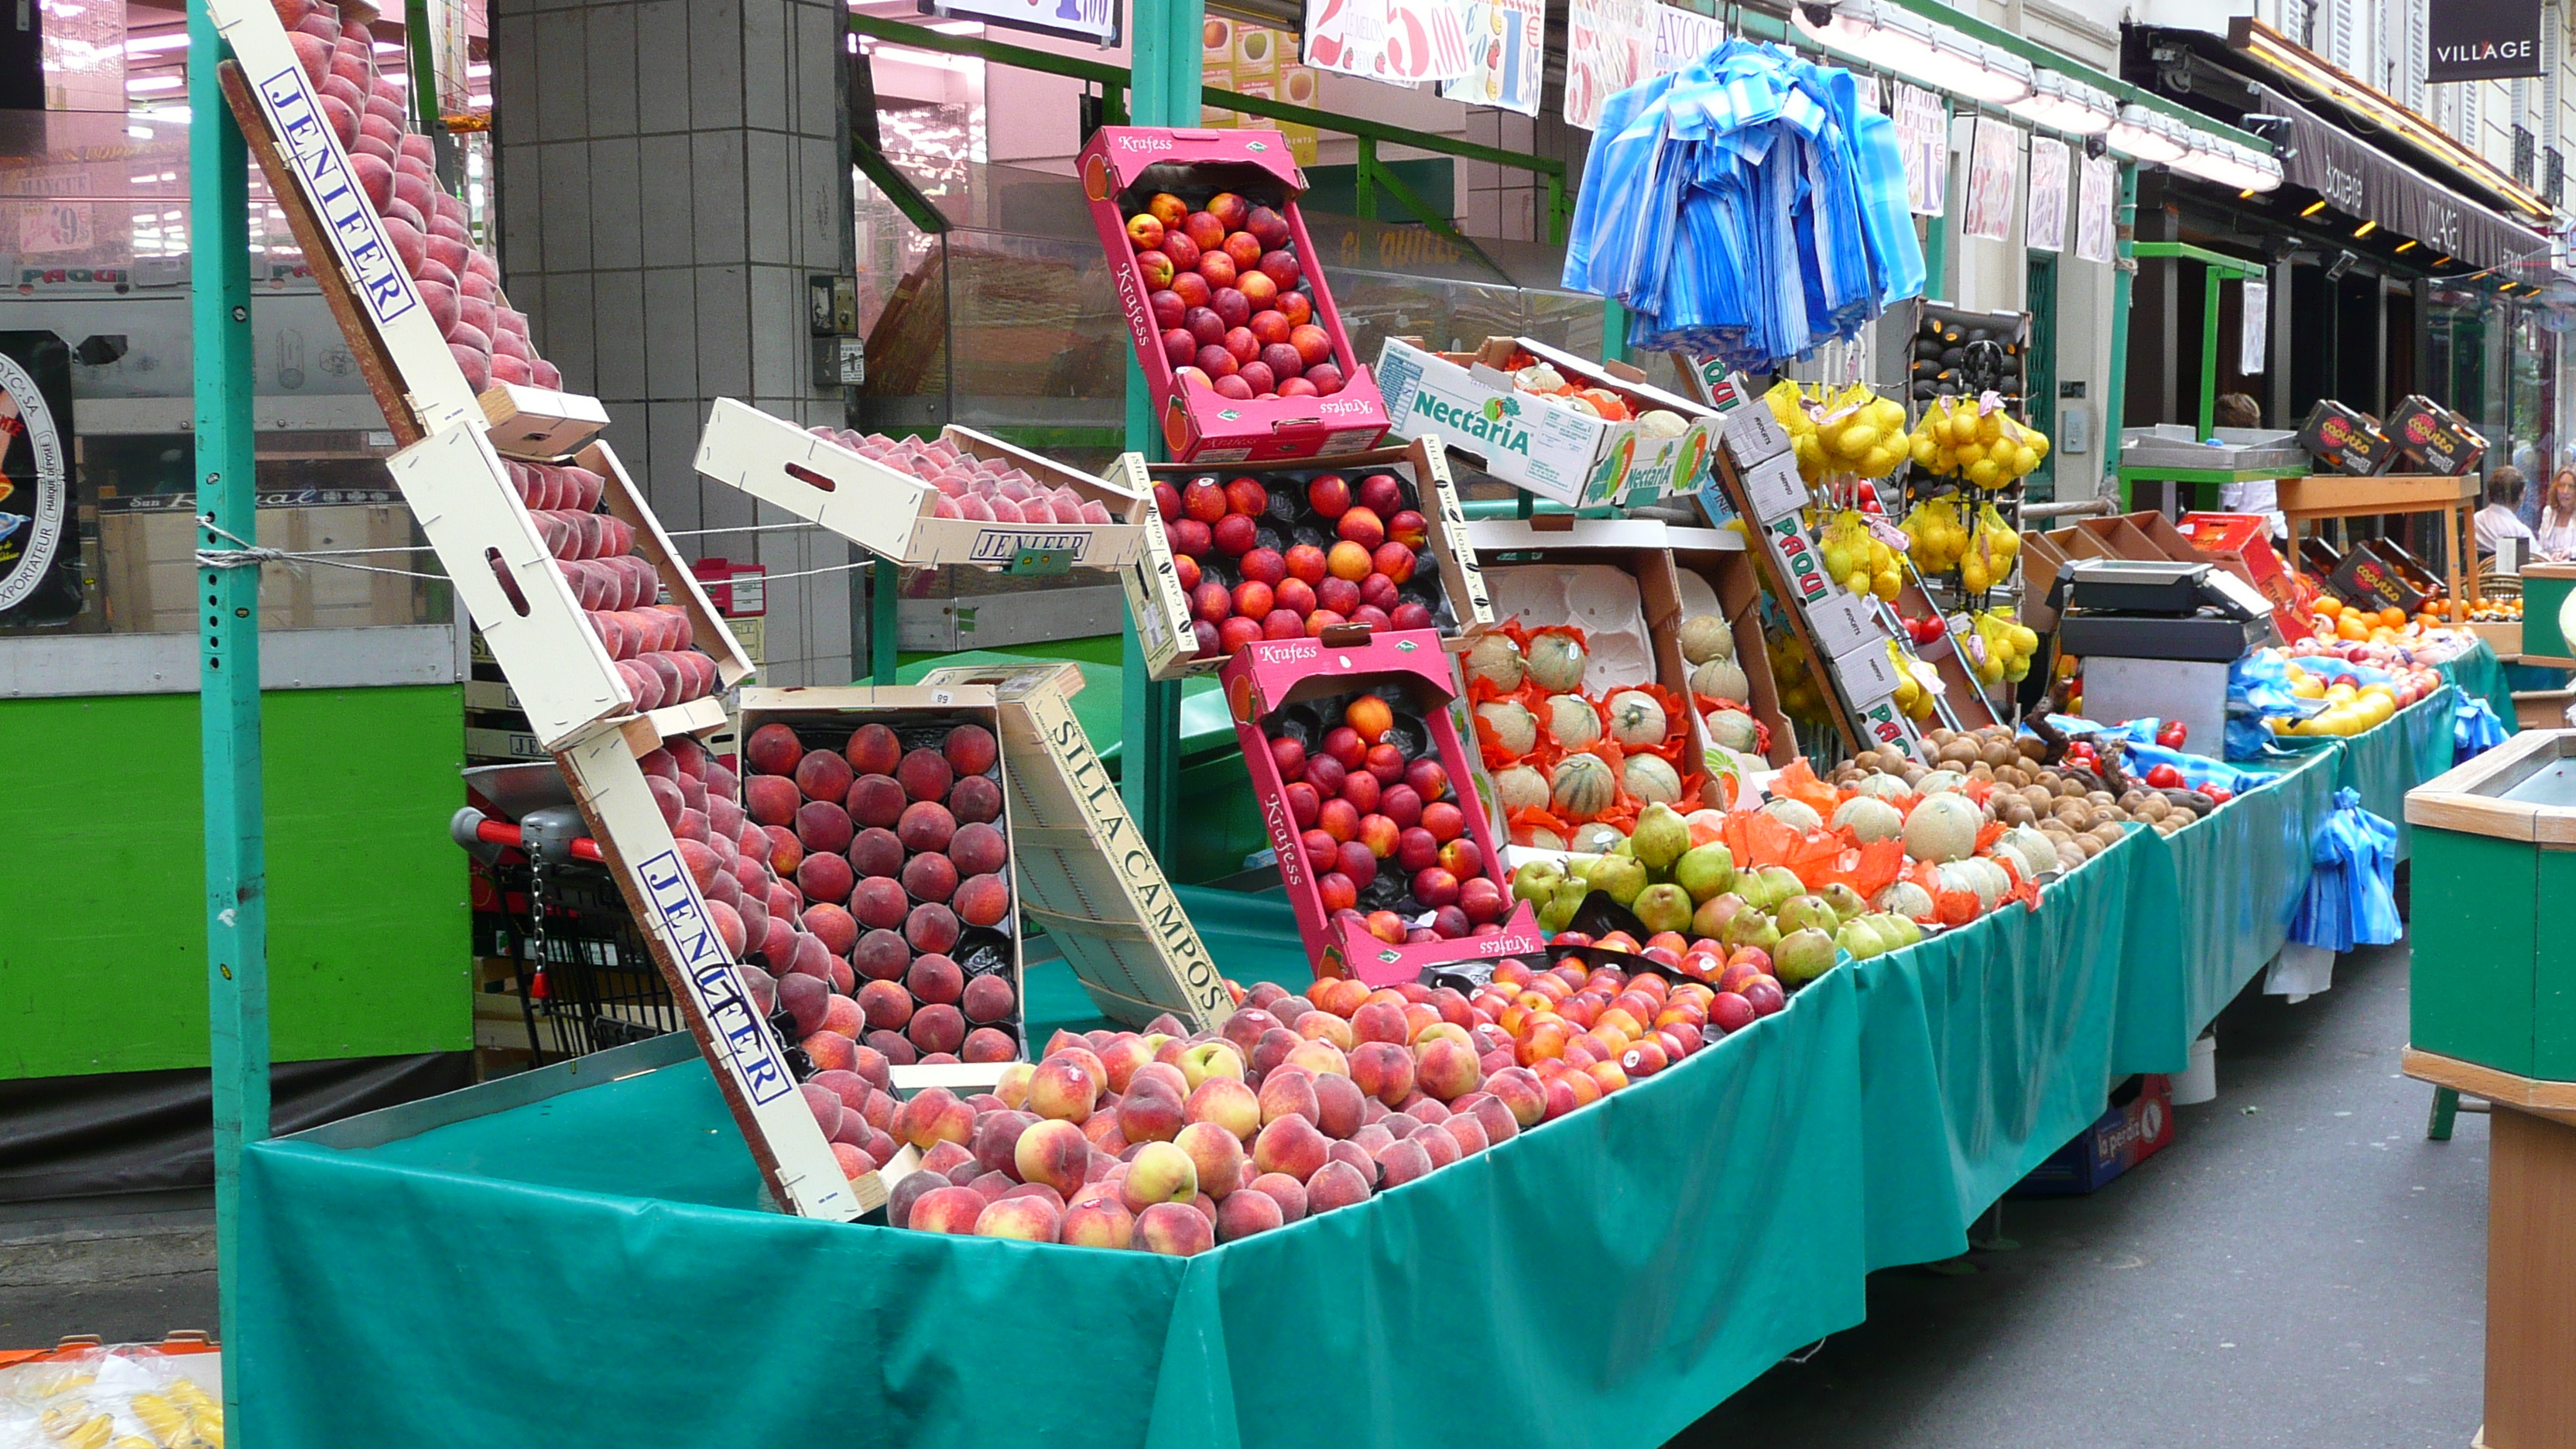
{"type": "Point", "coordinates": [2208, 351]}
{"type": "Point", "coordinates": [2123, 269]}
{"type": "Point", "coordinates": [885, 602]}
{"type": "Point", "coordinates": [422, 49]}
{"type": "Point", "coordinates": [1364, 180]}
{"type": "Point", "coordinates": [228, 656]}
{"type": "Point", "coordinates": [1167, 79]}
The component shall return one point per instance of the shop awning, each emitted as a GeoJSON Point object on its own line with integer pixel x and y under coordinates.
{"type": "Point", "coordinates": [2368, 183]}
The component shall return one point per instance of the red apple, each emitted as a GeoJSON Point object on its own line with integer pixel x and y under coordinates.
{"type": "Point", "coordinates": [1264, 565]}
{"type": "Point", "coordinates": [1435, 887]}
{"type": "Point", "coordinates": [1306, 563]}
{"type": "Point", "coordinates": [1205, 325]}
{"type": "Point", "coordinates": [1234, 535]}
{"type": "Point", "coordinates": [1304, 804]}
{"type": "Point", "coordinates": [1230, 304]}
{"type": "Point", "coordinates": [1145, 230]}
{"type": "Point", "coordinates": [1158, 270]}
{"type": "Point", "coordinates": [1416, 851]}
{"type": "Point", "coordinates": [1463, 858]}
{"type": "Point", "coordinates": [1329, 494]}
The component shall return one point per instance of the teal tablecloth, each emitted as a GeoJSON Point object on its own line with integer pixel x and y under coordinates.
{"type": "Point", "coordinates": [593, 1270]}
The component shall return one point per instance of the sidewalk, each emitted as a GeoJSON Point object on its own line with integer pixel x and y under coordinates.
{"type": "Point", "coordinates": [128, 1269]}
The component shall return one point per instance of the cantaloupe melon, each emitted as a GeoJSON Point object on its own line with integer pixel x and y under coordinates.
{"type": "Point", "coordinates": [1556, 662]}
{"type": "Point", "coordinates": [1869, 818]}
{"type": "Point", "coordinates": [1942, 828]}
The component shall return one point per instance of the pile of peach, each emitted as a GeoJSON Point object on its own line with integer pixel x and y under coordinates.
{"type": "Point", "coordinates": [973, 488]}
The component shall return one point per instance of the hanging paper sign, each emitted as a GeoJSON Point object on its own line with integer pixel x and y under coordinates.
{"type": "Point", "coordinates": [1923, 136]}
{"type": "Point", "coordinates": [1092, 20]}
{"type": "Point", "coordinates": [2093, 220]}
{"type": "Point", "coordinates": [2254, 338]}
{"type": "Point", "coordinates": [1870, 100]}
{"type": "Point", "coordinates": [1680, 37]}
{"type": "Point", "coordinates": [40, 571]}
{"type": "Point", "coordinates": [1506, 56]}
{"type": "Point", "coordinates": [1605, 53]}
{"type": "Point", "coordinates": [1401, 42]}
{"type": "Point", "coordinates": [2043, 229]}
{"type": "Point", "coordinates": [1992, 156]}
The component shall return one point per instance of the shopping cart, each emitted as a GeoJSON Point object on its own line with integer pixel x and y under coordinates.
{"type": "Point", "coordinates": [586, 981]}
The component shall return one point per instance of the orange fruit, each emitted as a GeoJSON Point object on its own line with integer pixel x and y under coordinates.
{"type": "Point", "coordinates": [1369, 715]}
{"type": "Point", "coordinates": [2392, 616]}
{"type": "Point", "coordinates": [2350, 627]}
{"type": "Point", "coordinates": [2329, 606]}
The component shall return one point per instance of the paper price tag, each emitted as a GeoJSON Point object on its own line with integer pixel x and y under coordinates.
{"type": "Point", "coordinates": [1752, 435]}
{"type": "Point", "coordinates": [1773, 486]}
{"type": "Point", "coordinates": [1843, 625]}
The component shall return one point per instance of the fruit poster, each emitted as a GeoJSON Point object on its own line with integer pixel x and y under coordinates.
{"type": "Point", "coordinates": [1400, 42]}
{"type": "Point", "coordinates": [2093, 220]}
{"type": "Point", "coordinates": [1993, 158]}
{"type": "Point", "coordinates": [1923, 136]}
{"type": "Point", "coordinates": [1254, 60]}
{"type": "Point", "coordinates": [40, 581]}
{"type": "Point", "coordinates": [1506, 56]}
{"type": "Point", "coordinates": [1605, 53]}
{"type": "Point", "coordinates": [2043, 227]}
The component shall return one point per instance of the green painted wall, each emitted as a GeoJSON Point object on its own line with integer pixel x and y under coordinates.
{"type": "Point", "coordinates": [102, 917]}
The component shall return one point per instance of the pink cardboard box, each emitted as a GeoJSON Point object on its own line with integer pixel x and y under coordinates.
{"type": "Point", "coordinates": [1123, 168]}
{"type": "Point", "coordinates": [1268, 679]}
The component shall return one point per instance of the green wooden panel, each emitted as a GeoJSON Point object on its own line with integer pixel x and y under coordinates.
{"type": "Point", "coordinates": [2541, 600]}
{"type": "Point", "coordinates": [2553, 981]}
{"type": "Point", "coordinates": [102, 961]}
{"type": "Point", "coordinates": [2475, 924]}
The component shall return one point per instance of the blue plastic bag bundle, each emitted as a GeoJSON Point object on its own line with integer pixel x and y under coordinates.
{"type": "Point", "coordinates": [2475, 729]}
{"type": "Point", "coordinates": [1746, 208]}
{"type": "Point", "coordinates": [2352, 892]}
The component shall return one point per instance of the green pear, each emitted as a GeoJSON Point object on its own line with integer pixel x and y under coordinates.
{"type": "Point", "coordinates": [1783, 882]}
{"type": "Point", "coordinates": [1861, 939]}
{"type": "Point", "coordinates": [1710, 919]}
{"type": "Point", "coordinates": [1805, 913]}
{"type": "Point", "coordinates": [1536, 880]}
{"type": "Point", "coordinates": [1661, 837]}
{"type": "Point", "coordinates": [1899, 931]}
{"type": "Point", "coordinates": [1847, 903]}
{"type": "Point", "coordinates": [1802, 956]}
{"type": "Point", "coordinates": [1619, 877]}
{"type": "Point", "coordinates": [1705, 871]}
{"type": "Point", "coordinates": [1663, 908]}
{"type": "Point", "coordinates": [1557, 913]}
{"type": "Point", "coordinates": [1751, 927]}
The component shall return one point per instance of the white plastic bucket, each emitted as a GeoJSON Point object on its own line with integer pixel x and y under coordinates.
{"type": "Point", "coordinates": [2199, 1082]}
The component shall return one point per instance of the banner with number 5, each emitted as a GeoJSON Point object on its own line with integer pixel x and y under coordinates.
{"type": "Point", "coordinates": [1400, 42]}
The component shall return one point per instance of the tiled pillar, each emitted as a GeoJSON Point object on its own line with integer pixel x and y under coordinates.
{"type": "Point", "coordinates": [669, 173]}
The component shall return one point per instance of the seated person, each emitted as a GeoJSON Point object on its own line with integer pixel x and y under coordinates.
{"type": "Point", "coordinates": [2501, 518]}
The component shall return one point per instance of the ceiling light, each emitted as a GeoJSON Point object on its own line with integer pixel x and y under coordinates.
{"type": "Point", "coordinates": [2059, 103]}
{"type": "Point", "coordinates": [2406, 246]}
{"type": "Point", "coordinates": [2441, 261]}
{"type": "Point", "coordinates": [1979, 71]}
{"type": "Point", "coordinates": [2365, 229]}
{"type": "Point", "coordinates": [2147, 135]}
{"type": "Point", "coordinates": [2313, 207]}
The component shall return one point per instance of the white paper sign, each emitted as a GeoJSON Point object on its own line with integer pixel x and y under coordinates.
{"type": "Point", "coordinates": [1605, 53]}
{"type": "Point", "coordinates": [1923, 134]}
{"type": "Point", "coordinates": [2043, 227]}
{"type": "Point", "coordinates": [1092, 20]}
{"type": "Point", "coordinates": [1992, 157]}
{"type": "Point", "coordinates": [1401, 42]}
{"type": "Point", "coordinates": [2093, 223]}
{"type": "Point", "coordinates": [1506, 56]}
{"type": "Point", "coordinates": [56, 226]}
{"type": "Point", "coordinates": [2253, 340]}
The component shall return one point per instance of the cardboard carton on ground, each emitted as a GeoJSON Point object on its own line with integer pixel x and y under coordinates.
{"type": "Point", "coordinates": [1122, 168]}
{"type": "Point", "coordinates": [1539, 443]}
{"type": "Point", "coordinates": [1084, 873]}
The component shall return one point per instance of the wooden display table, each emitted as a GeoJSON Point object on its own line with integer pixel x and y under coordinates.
{"type": "Point", "coordinates": [2318, 497]}
{"type": "Point", "coordinates": [2531, 1251]}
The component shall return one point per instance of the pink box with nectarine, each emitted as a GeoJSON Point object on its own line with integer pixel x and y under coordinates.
{"type": "Point", "coordinates": [1246, 357]}
{"type": "Point", "coordinates": [1354, 743]}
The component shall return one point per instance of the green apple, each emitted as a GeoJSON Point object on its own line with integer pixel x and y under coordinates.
{"type": "Point", "coordinates": [1536, 880]}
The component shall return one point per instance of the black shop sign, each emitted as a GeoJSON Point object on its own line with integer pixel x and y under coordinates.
{"type": "Point", "coordinates": [2483, 39]}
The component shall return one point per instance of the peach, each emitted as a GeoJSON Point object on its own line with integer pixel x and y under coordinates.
{"type": "Point", "coordinates": [929, 926]}
{"type": "Point", "coordinates": [1291, 1145]}
{"type": "Point", "coordinates": [1013, 1085]}
{"type": "Point", "coordinates": [1054, 1153]}
{"type": "Point", "coordinates": [925, 825]}
{"type": "Point", "coordinates": [1240, 1215]}
{"type": "Point", "coordinates": [1030, 1219]}
{"type": "Point", "coordinates": [823, 776]}
{"type": "Point", "coordinates": [1217, 1153]}
{"type": "Point", "coordinates": [773, 749]}
{"type": "Point", "coordinates": [946, 1210]}
{"type": "Point", "coordinates": [1288, 1093]}
{"type": "Point", "coordinates": [995, 1136]}
{"type": "Point", "coordinates": [1246, 1026]}
{"type": "Point", "coordinates": [1121, 1057]}
{"type": "Point", "coordinates": [1402, 1163]}
{"type": "Point", "coordinates": [1102, 1222]}
{"type": "Point", "coordinates": [1380, 1021]}
{"type": "Point", "coordinates": [937, 1030]}
{"type": "Point", "coordinates": [934, 1115]}
{"type": "Point", "coordinates": [1467, 1132]}
{"type": "Point", "coordinates": [879, 903]}
{"type": "Point", "coordinates": [975, 800]}
{"type": "Point", "coordinates": [876, 851]}
{"type": "Point", "coordinates": [839, 932]}
{"type": "Point", "coordinates": [1326, 1027]}
{"type": "Point", "coordinates": [1083, 1057]}
{"type": "Point", "coordinates": [976, 848]}
{"type": "Point", "coordinates": [1282, 1189]}
{"type": "Point", "coordinates": [911, 1190]}
{"type": "Point", "coordinates": [1151, 1116]}
{"type": "Point", "coordinates": [1383, 1070]}
{"type": "Point", "coordinates": [842, 1015]}
{"type": "Point", "coordinates": [1520, 1090]}
{"type": "Point", "coordinates": [1101, 1128]}
{"type": "Point", "coordinates": [1340, 1105]}
{"type": "Point", "coordinates": [887, 1006]}
{"type": "Point", "coordinates": [990, 1184]}
{"type": "Point", "coordinates": [1159, 1173]}
{"type": "Point", "coordinates": [892, 1046]}
{"type": "Point", "coordinates": [1062, 1090]}
{"type": "Point", "coordinates": [988, 999]}
{"type": "Point", "coordinates": [828, 877]}
{"type": "Point", "coordinates": [1211, 1059]}
{"type": "Point", "coordinates": [1447, 1070]}
{"type": "Point", "coordinates": [768, 799]}
{"type": "Point", "coordinates": [880, 955]}
{"type": "Point", "coordinates": [924, 775]}
{"type": "Point", "coordinates": [872, 750]}
{"type": "Point", "coordinates": [970, 750]}
{"type": "Point", "coordinates": [1334, 1185]}
{"type": "Point", "coordinates": [946, 1157]}
{"type": "Point", "coordinates": [825, 1105]}
{"type": "Point", "coordinates": [1164, 1075]}
{"type": "Point", "coordinates": [1271, 1052]}
{"type": "Point", "coordinates": [1175, 1229]}
{"type": "Point", "coordinates": [981, 900]}
{"type": "Point", "coordinates": [876, 800]}
{"type": "Point", "coordinates": [935, 980]}
{"type": "Point", "coordinates": [1228, 1103]}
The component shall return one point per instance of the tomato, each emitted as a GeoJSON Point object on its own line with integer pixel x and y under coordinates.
{"type": "Point", "coordinates": [2165, 777]}
{"type": "Point", "coordinates": [2173, 734]}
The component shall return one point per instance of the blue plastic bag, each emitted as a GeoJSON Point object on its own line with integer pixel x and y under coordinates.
{"type": "Point", "coordinates": [2475, 729]}
{"type": "Point", "coordinates": [2351, 898]}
